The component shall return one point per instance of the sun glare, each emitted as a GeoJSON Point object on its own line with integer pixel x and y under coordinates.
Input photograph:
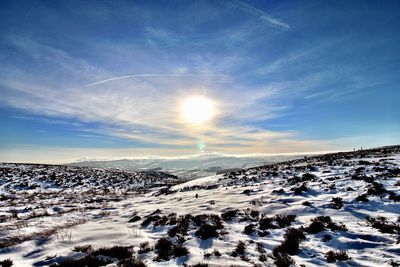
{"type": "Point", "coordinates": [197, 110]}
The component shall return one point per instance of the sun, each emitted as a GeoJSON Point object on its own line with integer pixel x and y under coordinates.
{"type": "Point", "coordinates": [197, 110]}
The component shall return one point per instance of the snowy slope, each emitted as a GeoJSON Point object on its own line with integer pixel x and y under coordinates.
{"type": "Point", "coordinates": [232, 208]}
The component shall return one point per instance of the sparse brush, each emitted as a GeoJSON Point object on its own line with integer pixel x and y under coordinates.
{"type": "Point", "coordinates": [332, 256]}
{"type": "Point", "coordinates": [326, 221]}
{"type": "Point", "coordinates": [216, 253]}
{"type": "Point", "coordinates": [247, 192]}
{"type": "Point", "coordinates": [263, 233]}
{"type": "Point", "coordinates": [327, 238]}
{"type": "Point", "coordinates": [240, 248]}
{"type": "Point", "coordinates": [304, 178]}
{"type": "Point", "coordinates": [260, 248]}
{"type": "Point", "coordinates": [131, 262]}
{"type": "Point", "coordinates": [6, 263]}
{"type": "Point", "coordinates": [135, 218]}
{"type": "Point", "coordinates": [332, 186]}
{"type": "Point", "coordinates": [181, 229]}
{"type": "Point", "coordinates": [290, 245]}
{"type": "Point", "coordinates": [254, 213]}
{"type": "Point", "coordinates": [308, 177]}
{"type": "Point", "coordinates": [150, 219]}
{"type": "Point", "coordinates": [362, 198]}
{"type": "Point", "coordinates": [179, 250]}
{"type": "Point", "coordinates": [278, 191]}
{"type": "Point", "coordinates": [84, 249]}
{"type": "Point", "coordinates": [315, 227]}
{"type": "Point", "coordinates": [262, 258]}
{"type": "Point", "coordinates": [249, 229]}
{"type": "Point", "coordinates": [144, 247]}
{"type": "Point", "coordinates": [337, 203]}
{"type": "Point", "coordinates": [300, 189]}
{"type": "Point", "coordinates": [118, 252]}
{"type": "Point", "coordinates": [206, 231]}
{"type": "Point", "coordinates": [376, 189]}
{"type": "Point", "coordinates": [267, 223]}
{"type": "Point", "coordinates": [208, 218]}
{"type": "Point", "coordinates": [83, 262]}
{"type": "Point", "coordinates": [367, 179]}
{"type": "Point", "coordinates": [393, 196]}
{"type": "Point", "coordinates": [229, 215]}
{"type": "Point", "coordinates": [383, 225]}
{"type": "Point", "coordinates": [279, 221]}
{"type": "Point", "coordinates": [394, 172]}
{"type": "Point", "coordinates": [284, 220]}
{"type": "Point", "coordinates": [207, 256]}
{"type": "Point", "coordinates": [283, 260]}
{"type": "Point", "coordinates": [163, 249]}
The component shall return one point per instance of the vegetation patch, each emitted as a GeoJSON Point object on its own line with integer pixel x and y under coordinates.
{"type": "Point", "coordinates": [206, 231]}
{"type": "Point", "coordinates": [332, 256]}
{"type": "Point", "coordinates": [131, 262]}
{"type": "Point", "coordinates": [337, 203]}
{"type": "Point", "coordinates": [229, 215]}
{"type": "Point", "coordinates": [290, 244]}
{"type": "Point", "coordinates": [144, 247]}
{"type": "Point", "coordinates": [383, 225]}
{"type": "Point", "coordinates": [117, 252]}
{"type": "Point", "coordinates": [376, 189]}
{"type": "Point", "coordinates": [88, 260]}
{"type": "Point", "coordinates": [362, 198]}
{"type": "Point", "coordinates": [304, 178]}
{"type": "Point", "coordinates": [282, 259]}
{"type": "Point", "coordinates": [180, 250]}
{"type": "Point", "coordinates": [298, 190]}
{"type": "Point", "coordinates": [6, 263]}
{"type": "Point", "coordinates": [249, 229]}
{"type": "Point", "coordinates": [239, 250]}
{"type": "Point", "coordinates": [279, 221]}
{"type": "Point", "coordinates": [319, 224]}
{"type": "Point", "coordinates": [163, 249]}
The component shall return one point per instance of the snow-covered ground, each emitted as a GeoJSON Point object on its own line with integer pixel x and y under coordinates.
{"type": "Point", "coordinates": [245, 214]}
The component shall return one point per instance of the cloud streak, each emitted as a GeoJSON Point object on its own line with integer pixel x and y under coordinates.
{"type": "Point", "coordinates": [149, 75]}
{"type": "Point", "coordinates": [262, 16]}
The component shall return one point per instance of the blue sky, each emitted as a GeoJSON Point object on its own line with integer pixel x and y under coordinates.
{"type": "Point", "coordinates": [285, 76]}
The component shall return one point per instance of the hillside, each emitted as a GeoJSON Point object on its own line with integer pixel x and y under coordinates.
{"type": "Point", "coordinates": [338, 208]}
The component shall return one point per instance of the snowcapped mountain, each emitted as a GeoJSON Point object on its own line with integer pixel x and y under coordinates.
{"type": "Point", "coordinates": [192, 166]}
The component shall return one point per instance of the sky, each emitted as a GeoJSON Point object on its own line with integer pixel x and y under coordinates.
{"type": "Point", "coordinates": [107, 78]}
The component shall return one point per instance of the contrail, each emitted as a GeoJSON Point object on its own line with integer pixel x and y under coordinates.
{"type": "Point", "coordinates": [152, 75]}
{"type": "Point", "coordinates": [261, 15]}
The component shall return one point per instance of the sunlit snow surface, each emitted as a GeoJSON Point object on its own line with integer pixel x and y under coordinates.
{"type": "Point", "coordinates": [96, 211]}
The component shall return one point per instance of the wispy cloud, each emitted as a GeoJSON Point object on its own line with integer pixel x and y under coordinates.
{"type": "Point", "coordinates": [151, 75]}
{"type": "Point", "coordinates": [126, 79]}
{"type": "Point", "coordinates": [138, 109]}
{"type": "Point", "coordinates": [261, 15]}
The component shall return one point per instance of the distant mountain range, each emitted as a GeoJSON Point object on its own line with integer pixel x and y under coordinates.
{"type": "Point", "coordinates": [191, 166]}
